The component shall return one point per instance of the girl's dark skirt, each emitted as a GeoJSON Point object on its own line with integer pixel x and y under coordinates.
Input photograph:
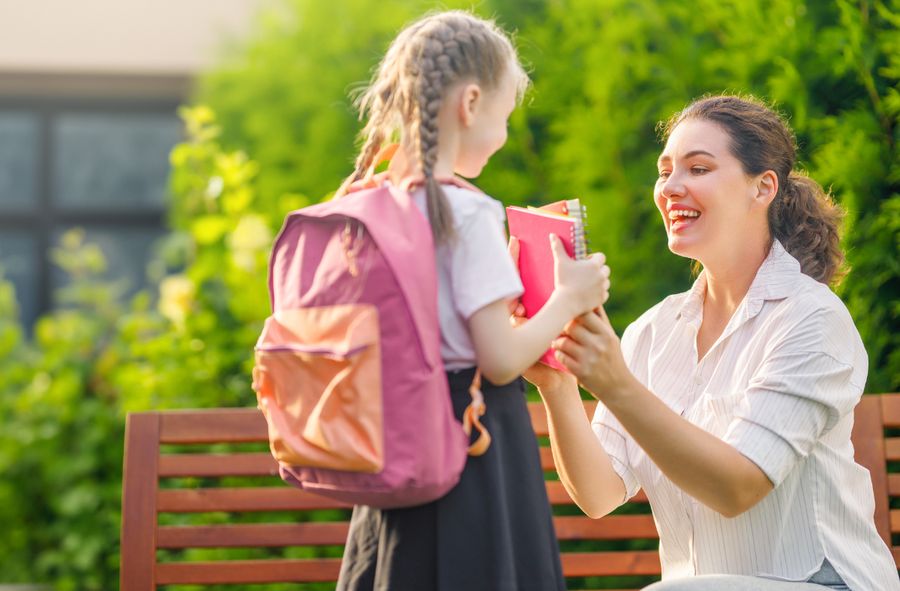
{"type": "Point", "coordinates": [492, 532]}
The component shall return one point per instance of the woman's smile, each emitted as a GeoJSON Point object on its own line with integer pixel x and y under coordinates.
{"type": "Point", "coordinates": [680, 218]}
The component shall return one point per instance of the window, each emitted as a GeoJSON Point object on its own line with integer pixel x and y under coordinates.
{"type": "Point", "coordinates": [98, 166]}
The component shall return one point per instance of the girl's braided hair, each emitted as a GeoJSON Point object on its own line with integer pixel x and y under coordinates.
{"type": "Point", "coordinates": [405, 95]}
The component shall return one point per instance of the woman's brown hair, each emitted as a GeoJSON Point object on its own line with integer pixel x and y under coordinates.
{"type": "Point", "coordinates": [802, 216]}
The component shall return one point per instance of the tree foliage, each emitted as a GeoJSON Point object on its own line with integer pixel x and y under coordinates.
{"type": "Point", "coordinates": [605, 71]}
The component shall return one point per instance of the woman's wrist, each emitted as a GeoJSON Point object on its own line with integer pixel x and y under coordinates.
{"type": "Point", "coordinates": [561, 385]}
{"type": "Point", "coordinates": [619, 392]}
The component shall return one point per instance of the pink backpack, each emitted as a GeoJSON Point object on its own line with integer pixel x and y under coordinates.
{"type": "Point", "coordinates": [348, 366]}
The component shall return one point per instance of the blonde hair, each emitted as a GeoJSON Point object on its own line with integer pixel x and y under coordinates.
{"type": "Point", "coordinates": [406, 92]}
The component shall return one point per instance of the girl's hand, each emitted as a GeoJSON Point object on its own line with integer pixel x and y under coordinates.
{"type": "Point", "coordinates": [545, 378]}
{"type": "Point", "coordinates": [591, 350]}
{"type": "Point", "coordinates": [584, 283]}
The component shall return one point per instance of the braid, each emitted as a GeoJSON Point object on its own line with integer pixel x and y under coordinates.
{"type": "Point", "coordinates": [434, 66]}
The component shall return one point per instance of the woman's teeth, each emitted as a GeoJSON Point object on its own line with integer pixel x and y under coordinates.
{"type": "Point", "coordinates": [683, 213]}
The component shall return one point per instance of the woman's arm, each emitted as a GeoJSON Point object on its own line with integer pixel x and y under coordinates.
{"type": "Point", "coordinates": [704, 466]}
{"type": "Point", "coordinates": [584, 467]}
{"type": "Point", "coordinates": [503, 350]}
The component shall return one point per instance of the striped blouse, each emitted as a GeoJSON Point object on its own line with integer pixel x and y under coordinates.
{"type": "Point", "coordinates": [779, 385]}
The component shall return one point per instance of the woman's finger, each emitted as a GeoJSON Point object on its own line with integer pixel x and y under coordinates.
{"type": "Point", "coordinates": [568, 362]}
{"type": "Point", "coordinates": [578, 332]}
{"type": "Point", "coordinates": [592, 322]}
{"type": "Point", "coordinates": [569, 347]}
{"type": "Point", "coordinates": [601, 312]}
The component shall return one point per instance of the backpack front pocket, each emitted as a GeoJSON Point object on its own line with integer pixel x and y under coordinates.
{"type": "Point", "coordinates": [318, 381]}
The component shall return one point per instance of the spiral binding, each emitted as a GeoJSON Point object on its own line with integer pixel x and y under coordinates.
{"type": "Point", "coordinates": [574, 209]}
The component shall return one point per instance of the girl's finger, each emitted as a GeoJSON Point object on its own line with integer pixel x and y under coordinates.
{"type": "Point", "coordinates": [513, 248]}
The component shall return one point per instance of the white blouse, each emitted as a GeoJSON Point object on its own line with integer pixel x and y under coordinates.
{"type": "Point", "coordinates": [473, 270]}
{"type": "Point", "coordinates": [779, 385]}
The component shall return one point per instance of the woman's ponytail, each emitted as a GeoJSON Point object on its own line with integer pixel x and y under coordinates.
{"type": "Point", "coordinates": [805, 219]}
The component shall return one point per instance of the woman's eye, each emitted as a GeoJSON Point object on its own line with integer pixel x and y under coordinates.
{"type": "Point", "coordinates": [664, 174]}
{"type": "Point", "coordinates": [699, 170]}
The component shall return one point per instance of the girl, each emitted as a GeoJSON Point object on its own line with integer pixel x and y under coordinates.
{"type": "Point", "coordinates": [448, 84]}
{"type": "Point", "coordinates": [731, 405]}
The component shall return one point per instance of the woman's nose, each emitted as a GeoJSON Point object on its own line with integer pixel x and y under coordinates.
{"type": "Point", "coordinates": [672, 186]}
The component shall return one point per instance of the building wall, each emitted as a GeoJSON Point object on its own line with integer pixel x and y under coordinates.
{"type": "Point", "coordinates": [150, 37]}
{"type": "Point", "coordinates": [88, 97]}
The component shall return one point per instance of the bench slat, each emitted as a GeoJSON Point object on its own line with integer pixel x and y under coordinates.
{"type": "Point", "coordinates": [892, 448]}
{"type": "Point", "coordinates": [614, 527]}
{"type": "Point", "coordinates": [253, 535]}
{"type": "Point", "coordinates": [890, 408]}
{"type": "Point", "coordinates": [269, 498]}
{"type": "Point", "coordinates": [606, 564]}
{"type": "Point", "coordinates": [251, 464]}
{"type": "Point", "coordinates": [216, 465]}
{"type": "Point", "coordinates": [574, 564]}
{"type": "Point", "coordinates": [248, 571]}
{"type": "Point", "coordinates": [893, 484]}
{"type": "Point", "coordinates": [216, 425]}
{"type": "Point", "coordinates": [611, 527]}
{"type": "Point", "coordinates": [278, 498]}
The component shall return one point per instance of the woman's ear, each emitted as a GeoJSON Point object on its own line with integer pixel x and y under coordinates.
{"type": "Point", "coordinates": [766, 187]}
{"type": "Point", "coordinates": [469, 103]}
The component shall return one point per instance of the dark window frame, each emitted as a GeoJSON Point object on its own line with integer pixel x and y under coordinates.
{"type": "Point", "coordinates": [46, 217]}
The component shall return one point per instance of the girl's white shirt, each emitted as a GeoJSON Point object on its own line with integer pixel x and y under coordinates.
{"type": "Point", "coordinates": [779, 385]}
{"type": "Point", "coordinates": [474, 270]}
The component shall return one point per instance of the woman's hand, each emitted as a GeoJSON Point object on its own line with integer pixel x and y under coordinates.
{"type": "Point", "coordinates": [591, 350]}
{"type": "Point", "coordinates": [545, 378]}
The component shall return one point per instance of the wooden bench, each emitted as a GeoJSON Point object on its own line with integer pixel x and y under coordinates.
{"type": "Point", "coordinates": [212, 465]}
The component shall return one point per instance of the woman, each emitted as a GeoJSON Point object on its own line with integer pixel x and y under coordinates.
{"type": "Point", "coordinates": [731, 405]}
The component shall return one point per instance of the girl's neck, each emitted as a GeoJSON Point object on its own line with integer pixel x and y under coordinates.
{"type": "Point", "coordinates": [405, 163]}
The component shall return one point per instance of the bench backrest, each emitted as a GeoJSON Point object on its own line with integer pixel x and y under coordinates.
{"type": "Point", "coordinates": [213, 464]}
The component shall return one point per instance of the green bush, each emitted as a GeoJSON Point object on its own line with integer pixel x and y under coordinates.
{"type": "Point", "coordinates": [63, 397]}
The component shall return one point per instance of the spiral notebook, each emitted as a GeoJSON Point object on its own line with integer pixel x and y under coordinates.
{"type": "Point", "coordinates": [533, 226]}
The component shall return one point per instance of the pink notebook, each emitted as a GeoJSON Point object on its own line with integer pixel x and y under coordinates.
{"type": "Point", "coordinates": [533, 226]}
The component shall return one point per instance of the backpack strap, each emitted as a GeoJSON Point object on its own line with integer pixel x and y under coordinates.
{"type": "Point", "coordinates": [477, 407]}
{"type": "Point", "coordinates": [471, 416]}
